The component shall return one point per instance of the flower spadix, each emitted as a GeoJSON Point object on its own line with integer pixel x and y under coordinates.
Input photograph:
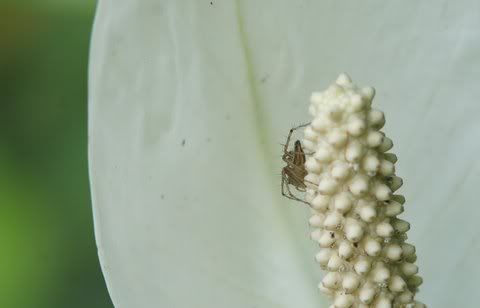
{"type": "Point", "coordinates": [354, 205]}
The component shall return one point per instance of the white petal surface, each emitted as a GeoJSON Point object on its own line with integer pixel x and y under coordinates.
{"type": "Point", "coordinates": [186, 208]}
{"type": "Point", "coordinates": [202, 224]}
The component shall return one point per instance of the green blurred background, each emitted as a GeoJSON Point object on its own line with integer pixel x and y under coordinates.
{"type": "Point", "coordinates": [47, 254]}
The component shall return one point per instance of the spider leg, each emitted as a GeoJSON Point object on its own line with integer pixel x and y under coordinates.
{"type": "Point", "coordinates": [301, 125]}
{"type": "Point", "coordinates": [299, 169]}
{"type": "Point", "coordinates": [287, 144]}
{"type": "Point", "coordinates": [293, 197]}
{"type": "Point", "coordinates": [289, 193]}
{"type": "Point", "coordinates": [285, 147]}
{"type": "Point", "coordinates": [283, 182]}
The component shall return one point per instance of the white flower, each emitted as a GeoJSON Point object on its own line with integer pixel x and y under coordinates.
{"type": "Point", "coordinates": [188, 102]}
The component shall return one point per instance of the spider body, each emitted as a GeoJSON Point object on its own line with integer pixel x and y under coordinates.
{"type": "Point", "coordinates": [293, 174]}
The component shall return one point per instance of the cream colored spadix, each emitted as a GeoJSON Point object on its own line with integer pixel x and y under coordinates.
{"type": "Point", "coordinates": [362, 242]}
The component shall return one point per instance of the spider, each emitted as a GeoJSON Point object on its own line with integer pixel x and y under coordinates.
{"type": "Point", "coordinates": [294, 172]}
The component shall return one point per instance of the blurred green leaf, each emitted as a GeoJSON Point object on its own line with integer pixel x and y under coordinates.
{"type": "Point", "coordinates": [48, 251]}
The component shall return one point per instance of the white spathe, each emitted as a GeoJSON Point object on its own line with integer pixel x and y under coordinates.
{"type": "Point", "coordinates": [189, 100]}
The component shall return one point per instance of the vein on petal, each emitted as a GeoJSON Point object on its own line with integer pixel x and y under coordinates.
{"type": "Point", "coordinates": [258, 112]}
{"type": "Point", "coordinates": [261, 128]}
